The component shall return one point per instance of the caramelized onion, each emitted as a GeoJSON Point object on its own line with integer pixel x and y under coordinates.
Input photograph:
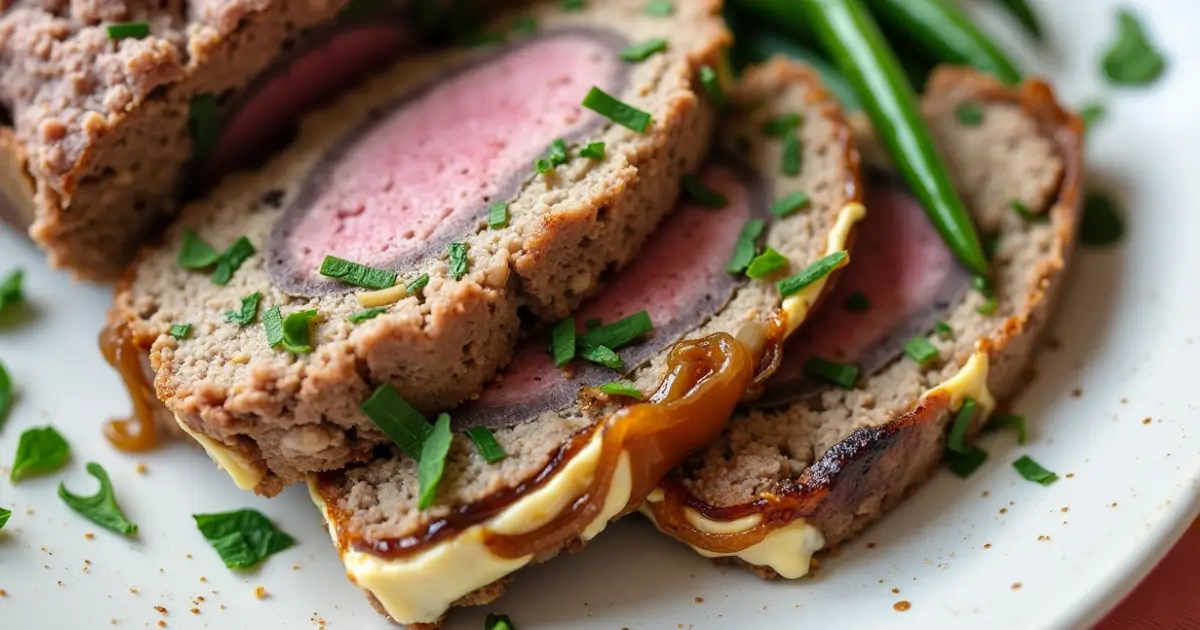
{"type": "Point", "coordinates": [139, 432]}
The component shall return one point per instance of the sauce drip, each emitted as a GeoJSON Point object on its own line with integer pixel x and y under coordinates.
{"type": "Point", "coordinates": [139, 432]}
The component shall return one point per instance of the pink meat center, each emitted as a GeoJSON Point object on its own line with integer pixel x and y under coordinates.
{"type": "Point", "coordinates": [451, 149]}
{"type": "Point", "coordinates": [681, 263]}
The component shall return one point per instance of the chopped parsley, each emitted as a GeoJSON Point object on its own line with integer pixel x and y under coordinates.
{"type": "Point", "coordinates": [417, 284]}
{"type": "Point", "coordinates": [1027, 213]}
{"type": "Point", "coordinates": [195, 253]}
{"type": "Point", "coordinates": [245, 315]}
{"type": "Point", "coordinates": [356, 274]}
{"type": "Point", "coordinates": [841, 374]}
{"type": "Point", "coordinates": [782, 125]}
{"type": "Point", "coordinates": [1102, 224]}
{"type": "Point", "coordinates": [1002, 421]}
{"type": "Point", "coordinates": [1132, 59]}
{"type": "Point", "coordinates": [969, 114]}
{"type": "Point", "coordinates": [857, 302]}
{"type": "Point", "coordinates": [180, 331]}
{"type": "Point", "coordinates": [643, 50]}
{"type": "Point", "coordinates": [622, 388]}
{"type": "Point", "coordinates": [766, 263]}
{"type": "Point", "coordinates": [202, 123]}
{"type": "Point", "coordinates": [498, 622]}
{"type": "Point", "coordinates": [602, 355]}
{"type": "Point", "coordinates": [458, 260]}
{"type": "Point", "coordinates": [400, 421]}
{"type": "Point", "coordinates": [231, 259]}
{"type": "Point", "coordinates": [593, 150]}
{"type": "Point", "coordinates": [618, 333]}
{"type": "Point", "coordinates": [988, 307]}
{"type": "Point", "coordinates": [432, 463]}
{"type": "Point", "coordinates": [272, 322]}
{"type": "Point", "coordinates": [4, 514]}
{"type": "Point", "coordinates": [40, 450]}
{"type": "Point", "coordinates": [297, 331]}
{"type": "Point", "coordinates": [542, 165]}
{"type": "Point", "coordinates": [920, 350]}
{"type": "Point", "coordinates": [1033, 471]}
{"type": "Point", "coordinates": [743, 252]}
{"type": "Point", "coordinates": [485, 441]}
{"type": "Point", "coordinates": [613, 109]}
{"type": "Point", "coordinates": [812, 273]}
{"type": "Point", "coordinates": [6, 395]}
{"type": "Point", "coordinates": [366, 313]}
{"type": "Point", "coordinates": [962, 421]}
{"type": "Point", "coordinates": [10, 289]}
{"type": "Point", "coordinates": [100, 508]}
{"type": "Point", "coordinates": [789, 204]}
{"type": "Point", "coordinates": [556, 155]}
{"type": "Point", "coordinates": [243, 538]}
{"type": "Point", "coordinates": [985, 288]}
{"type": "Point", "coordinates": [660, 8]}
{"type": "Point", "coordinates": [701, 194]}
{"type": "Point", "coordinates": [127, 30]}
{"type": "Point", "coordinates": [944, 331]}
{"type": "Point", "coordinates": [562, 342]}
{"type": "Point", "coordinates": [965, 463]}
{"type": "Point", "coordinates": [712, 86]}
{"type": "Point", "coordinates": [1091, 114]}
{"type": "Point", "coordinates": [573, 5]}
{"type": "Point", "coordinates": [498, 215]}
{"type": "Point", "coordinates": [791, 155]}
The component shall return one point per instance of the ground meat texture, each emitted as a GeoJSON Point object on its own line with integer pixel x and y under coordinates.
{"type": "Point", "coordinates": [680, 279]}
{"type": "Point", "coordinates": [847, 456]}
{"type": "Point", "coordinates": [294, 415]}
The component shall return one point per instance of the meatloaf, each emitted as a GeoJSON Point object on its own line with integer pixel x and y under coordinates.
{"type": "Point", "coordinates": [98, 131]}
{"type": "Point", "coordinates": [431, 177]}
{"type": "Point", "coordinates": [815, 463]}
{"type": "Point", "coordinates": [581, 450]}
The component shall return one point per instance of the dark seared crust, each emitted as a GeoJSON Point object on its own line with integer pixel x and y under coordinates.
{"type": "Point", "coordinates": [864, 476]}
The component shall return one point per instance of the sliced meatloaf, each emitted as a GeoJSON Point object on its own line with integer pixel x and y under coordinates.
{"type": "Point", "coordinates": [402, 176]}
{"type": "Point", "coordinates": [815, 463]}
{"type": "Point", "coordinates": [580, 452]}
{"type": "Point", "coordinates": [110, 124]}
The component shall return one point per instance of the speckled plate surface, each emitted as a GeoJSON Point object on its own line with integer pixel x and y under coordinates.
{"type": "Point", "coordinates": [1113, 410]}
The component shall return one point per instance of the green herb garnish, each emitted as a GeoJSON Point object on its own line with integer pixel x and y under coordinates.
{"type": "Point", "coordinates": [498, 215]}
{"type": "Point", "coordinates": [766, 263]}
{"type": "Point", "coordinates": [988, 307]}
{"type": "Point", "coordinates": [841, 374]}
{"type": "Point", "coordinates": [969, 114]}
{"type": "Point", "coordinates": [418, 284]}
{"type": "Point", "coordinates": [498, 622]}
{"type": "Point", "coordinates": [180, 331]}
{"type": "Point", "coordinates": [562, 341]}
{"type": "Point", "coordinates": [661, 8]}
{"type": "Point", "coordinates": [712, 86]}
{"type": "Point", "coordinates": [608, 106]}
{"type": "Point", "coordinates": [1033, 471]}
{"type": "Point", "coordinates": [458, 260]}
{"type": "Point", "coordinates": [542, 165]}
{"type": "Point", "coordinates": [1025, 212]}
{"type": "Point", "coordinates": [195, 253]}
{"type": "Point", "coordinates": [701, 194]}
{"type": "Point", "coordinates": [4, 514]}
{"type": "Point", "coordinates": [1004, 420]}
{"type": "Point", "coordinates": [432, 462]}
{"type": "Point", "coordinates": [41, 450]}
{"type": "Point", "coordinates": [944, 331]}
{"type": "Point", "coordinates": [812, 273]}
{"type": "Point", "coordinates": [202, 123]}
{"type": "Point", "coordinates": [962, 421]}
{"type": "Point", "coordinates": [128, 30]}
{"type": "Point", "coordinates": [10, 289]}
{"type": "Point", "coordinates": [789, 204]}
{"type": "Point", "coordinates": [100, 508]}
{"type": "Point", "coordinates": [1102, 224]}
{"type": "Point", "coordinates": [356, 274]}
{"type": "Point", "coordinates": [231, 259]}
{"type": "Point", "coordinates": [643, 50]}
{"type": "Point", "coordinates": [525, 25]}
{"type": "Point", "coordinates": [297, 331]}
{"type": "Point", "coordinates": [245, 315]}
{"type": "Point", "coordinates": [622, 388]}
{"type": "Point", "coordinates": [573, 5]}
{"type": "Point", "coordinates": [857, 302]}
{"type": "Point", "coordinates": [782, 125]}
{"type": "Point", "coordinates": [485, 441]}
{"type": "Point", "coordinates": [791, 155]}
{"type": "Point", "coordinates": [400, 421]}
{"type": "Point", "coordinates": [743, 252]}
{"type": "Point", "coordinates": [272, 322]}
{"type": "Point", "coordinates": [1091, 114]}
{"type": "Point", "coordinates": [593, 150]}
{"type": "Point", "coordinates": [602, 355]}
{"type": "Point", "coordinates": [243, 538]}
{"type": "Point", "coordinates": [1132, 59]}
{"type": "Point", "coordinates": [966, 463]}
{"type": "Point", "coordinates": [366, 313]}
{"type": "Point", "coordinates": [6, 395]}
{"type": "Point", "coordinates": [618, 333]}
{"type": "Point", "coordinates": [558, 154]}
{"type": "Point", "coordinates": [920, 350]}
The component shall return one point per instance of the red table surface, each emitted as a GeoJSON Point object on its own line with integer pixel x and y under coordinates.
{"type": "Point", "coordinates": [1170, 596]}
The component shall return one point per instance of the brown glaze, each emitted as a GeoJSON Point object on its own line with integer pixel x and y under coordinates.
{"type": "Point", "coordinates": [139, 432]}
{"type": "Point", "coordinates": [873, 469]}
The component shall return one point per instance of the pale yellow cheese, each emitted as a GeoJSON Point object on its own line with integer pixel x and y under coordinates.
{"type": "Point", "coordinates": [969, 382]}
{"type": "Point", "coordinates": [383, 297]}
{"type": "Point", "coordinates": [420, 588]}
{"type": "Point", "coordinates": [245, 475]}
{"type": "Point", "coordinates": [796, 306]}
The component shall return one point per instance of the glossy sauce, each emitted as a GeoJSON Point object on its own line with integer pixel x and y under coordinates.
{"type": "Point", "coordinates": [139, 432]}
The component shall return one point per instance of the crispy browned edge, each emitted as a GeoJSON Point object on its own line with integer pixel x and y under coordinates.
{"type": "Point", "coordinates": [870, 472]}
{"type": "Point", "coordinates": [774, 72]}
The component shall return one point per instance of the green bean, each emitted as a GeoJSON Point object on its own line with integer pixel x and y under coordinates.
{"type": "Point", "coordinates": [947, 33]}
{"type": "Point", "coordinates": [852, 38]}
{"type": "Point", "coordinates": [1024, 14]}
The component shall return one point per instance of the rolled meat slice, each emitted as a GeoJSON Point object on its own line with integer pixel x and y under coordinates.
{"type": "Point", "coordinates": [421, 187]}
{"type": "Point", "coordinates": [817, 462]}
{"type": "Point", "coordinates": [585, 443]}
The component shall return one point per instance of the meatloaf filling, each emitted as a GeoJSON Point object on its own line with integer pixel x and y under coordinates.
{"type": "Point", "coordinates": [783, 482]}
{"type": "Point", "coordinates": [578, 457]}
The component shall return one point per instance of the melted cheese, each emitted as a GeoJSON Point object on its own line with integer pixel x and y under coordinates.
{"type": "Point", "coordinates": [245, 475]}
{"type": "Point", "coordinates": [788, 550]}
{"type": "Point", "coordinates": [421, 587]}
{"type": "Point", "coordinates": [796, 306]}
{"type": "Point", "coordinates": [383, 297]}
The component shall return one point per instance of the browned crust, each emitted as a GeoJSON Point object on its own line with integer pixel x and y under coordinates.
{"type": "Point", "coordinates": [865, 475]}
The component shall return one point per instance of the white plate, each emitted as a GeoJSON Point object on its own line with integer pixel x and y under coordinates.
{"type": "Point", "coordinates": [954, 550]}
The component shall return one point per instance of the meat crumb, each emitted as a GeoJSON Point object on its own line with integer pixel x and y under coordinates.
{"type": "Point", "coordinates": [1064, 509]}
{"type": "Point", "coordinates": [133, 589]}
{"type": "Point", "coordinates": [222, 606]}
{"type": "Point", "coordinates": [112, 622]}
{"type": "Point", "coordinates": [188, 556]}
{"type": "Point", "coordinates": [162, 624]}
{"type": "Point", "coordinates": [1004, 510]}
{"type": "Point", "coordinates": [699, 600]}
{"type": "Point", "coordinates": [1077, 392]}
{"type": "Point", "coordinates": [1016, 586]}
{"type": "Point", "coordinates": [1070, 475]}
{"type": "Point", "coordinates": [1043, 537]}
{"type": "Point", "coordinates": [89, 536]}
{"type": "Point", "coordinates": [60, 582]}
{"type": "Point", "coordinates": [203, 579]}
{"type": "Point", "coordinates": [162, 610]}
{"type": "Point", "coordinates": [141, 468]}
{"type": "Point", "coordinates": [295, 567]}
{"type": "Point", "coordinates": [195, 611]}
{"type": "Point", "coordinates": [987, 545]}
{"type": "Point", "coordinates": [1146, 421]}
{"type": "Point", "coordinates": [260, 592]}
{"type": "Point", "coordinates": [901, 606]}
{"type": "Point", "coordinates": [895, 591]}
{"type": "Point", "coordinates": [986, 493]}
{"type": "Point", "coordinates": [3, 593]}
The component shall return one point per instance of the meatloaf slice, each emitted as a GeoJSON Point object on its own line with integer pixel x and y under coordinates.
{"type": "Point", "coordinates": [822, 462]}
{"type": "Point", "coordinates": [576, 455]}
{"type": "Point", "coordinates": [402, 176]}
{"type": "Point", "coordinates": [111, 127]}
